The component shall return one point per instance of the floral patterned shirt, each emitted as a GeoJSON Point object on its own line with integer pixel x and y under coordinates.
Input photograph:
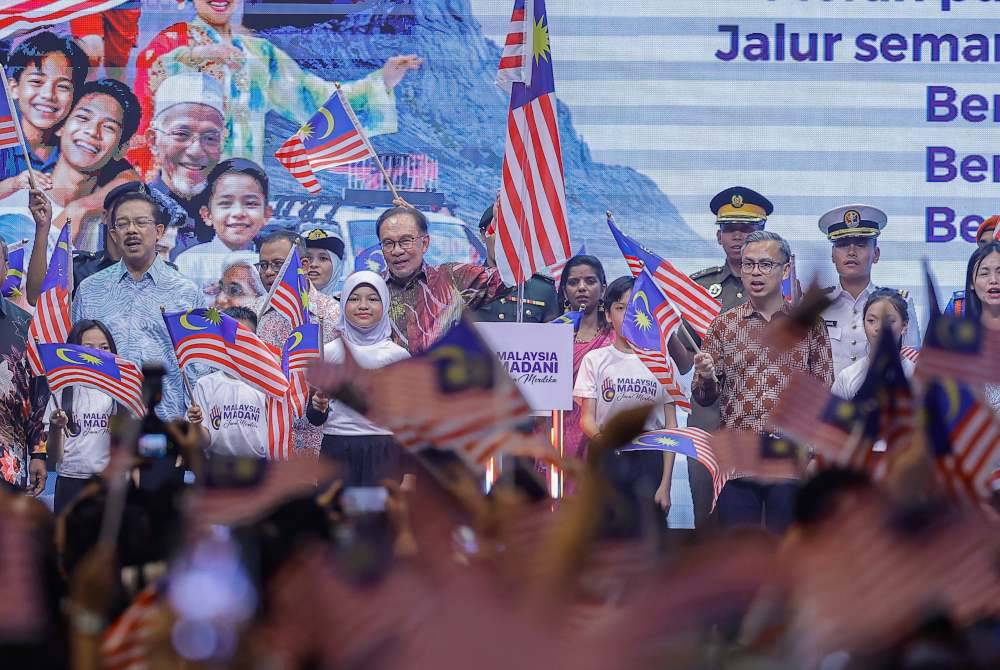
{"type": "Point", "coordinates": [424, 306]}
{"type": "Point", "coordinates": [22, 398]}
{"type": "Point", "coordinates": [273, 328]}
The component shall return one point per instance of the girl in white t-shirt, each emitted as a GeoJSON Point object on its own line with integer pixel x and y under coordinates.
{"type": "Point", "coordinates": [85, 415]}
{"type": "Point", "coordinates": [887, 306]}
{"type": "Point", "coordinates": [613, 379]}
{"type": "Point", "coordinates": [367, 453]}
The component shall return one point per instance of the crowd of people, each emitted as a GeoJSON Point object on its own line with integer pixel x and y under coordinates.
{"type": "Point", "coordinates": [359, 552]}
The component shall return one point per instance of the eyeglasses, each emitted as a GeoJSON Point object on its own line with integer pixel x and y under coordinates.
{"type": "Point", "coordinates": [274, 265]}
{"type": "Point", "coordinates": [406, 244]}
{"type": "Point", "coordinates": [211, 139]}
{"type": "Point", "coordinates": [122, 225]}
{"type": "Point", "coordinates": [766, 267]}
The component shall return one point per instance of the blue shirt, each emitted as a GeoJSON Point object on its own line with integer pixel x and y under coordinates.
{"type": "Point", "coordinates": [12, 162]}
{"type": "Point", "coordinates": [131, 311]}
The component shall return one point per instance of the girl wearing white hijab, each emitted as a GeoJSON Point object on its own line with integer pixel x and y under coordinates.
{"type": "Point", "coordinates": [367, 452]}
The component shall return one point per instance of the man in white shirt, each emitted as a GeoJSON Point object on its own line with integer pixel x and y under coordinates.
{"type": "Point", "coordinates": [236, 412]}
{"type": "Point", "coordinates": [854, 231]}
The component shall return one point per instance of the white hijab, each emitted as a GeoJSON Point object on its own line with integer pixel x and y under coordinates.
{"type": "Point", "coordinates": [376, 333]}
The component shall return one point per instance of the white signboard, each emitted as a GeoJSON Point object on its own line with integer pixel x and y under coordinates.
{"type": "Point", "coordinates": [538, 357]}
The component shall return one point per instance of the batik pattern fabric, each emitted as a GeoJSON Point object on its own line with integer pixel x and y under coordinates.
{"type": "Point", "coordinates": [752, 375]}
{"type": "Point", "coordinates": [274, 328]}
{"type": "Point", "coordinates": [426, 305]}
{"type": "Point", "coordinates": [23, 398]}
{"type": "Point", "coordinates": [263, 78]}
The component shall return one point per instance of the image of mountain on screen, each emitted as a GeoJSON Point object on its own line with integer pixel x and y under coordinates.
{"type": "Point", "coordinates": [452, 109]}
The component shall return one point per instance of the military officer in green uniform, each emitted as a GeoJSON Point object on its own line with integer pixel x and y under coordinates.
{"type": "Point", "coordinates": [738, 212]}
{"type": "Point", "coordinates": [540, 301]}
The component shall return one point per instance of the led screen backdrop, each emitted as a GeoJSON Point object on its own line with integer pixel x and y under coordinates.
{"type": "Point", "coordinates": [662, 103]}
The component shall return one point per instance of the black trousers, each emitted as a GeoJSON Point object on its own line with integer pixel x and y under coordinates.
{"type": "Point", "coordinates": [67, 489]}
{"type": "Point", "coordinates": [745, 502]}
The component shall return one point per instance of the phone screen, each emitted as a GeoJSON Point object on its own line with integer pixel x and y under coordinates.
{"type": "Point", "coordinates": [364, 499]}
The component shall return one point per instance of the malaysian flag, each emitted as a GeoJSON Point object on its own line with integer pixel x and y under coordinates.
{"type": "Point", "coordinates": [208, 336]}
{"type": "Point", "coordinates": [332, 137]}
{"type": "Point", "coordinates": [301, 349]}
{"type": "Point", "coordinates": [20, 15]}
{"type": "Point", "coordinates": [8, 132]}
{"type": "Point", "coordinates": [290, 292]}
{"type": "Point", "coordinates": [125, 643]}
{"type": "Point", "coordinates": [694, 443]}
{"type": "Point", "coordinates": [573, 318]}
{"type": "Point", "coordinates": [372, 259]}
{"type": "Point", "coordinates": [555, 271]}
{"type": "Point", "coordinates": [51, 322]}
{"type": "Point", "coordinates": [650, 321]}
{"type": "Point", "coordinates": [955, 347]}
{"type": "Point", "coordinates": [74, 365]}
{"type": "Point", "coordinates": [691, 299]}
{"type": "Point", "coordinates": [15, 272]}
{"type": "Point", "coordinates": [532, 232]}
{"type": "Point", "coordinates": [885, 398]}
{"type": "Point", "coordinates": [964, 438]}
{"type": "Point", "coordinates": [515, 62]}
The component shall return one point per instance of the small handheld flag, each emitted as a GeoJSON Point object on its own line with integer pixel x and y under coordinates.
{"type": "Point", "coordinates": [51, 322]}
{"type": "Point", "coordinates": [691, 299]}
{"type": "Point", "coordinates": [74, 365]}
{"type": "Point", "coordinates": [650, 321]}
{"type": "Point", "coordinates": [330, 138]}
{"type": "Point", "coordinates": [574, 318]}
{"type": "Point", "coordinates": [210, 337]}
{"type": "Point", "coordinates": [290, 292]}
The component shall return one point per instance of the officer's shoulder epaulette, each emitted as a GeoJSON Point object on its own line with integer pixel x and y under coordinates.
{"type": "Point", "coordinates": [545, 278]}
{"type": "Point", "coordinates": [707, 271]}
{"type": "Point", "coordinates": [84, 255]}
{"type": "Point", "coordinates": [829, 289]}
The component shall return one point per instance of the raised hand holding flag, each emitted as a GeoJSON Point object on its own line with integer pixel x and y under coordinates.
{"type": "Point", "coordinates": [51, 322]}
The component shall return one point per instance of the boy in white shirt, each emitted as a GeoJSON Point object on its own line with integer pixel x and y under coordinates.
{"type": "Point", "coordinates": [237, 416]}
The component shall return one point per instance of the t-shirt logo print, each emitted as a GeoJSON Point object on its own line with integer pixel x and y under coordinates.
{"type": "Point", "coordinates": [608, 390]}
{"type": "Point", "coordinates": [215, 416]}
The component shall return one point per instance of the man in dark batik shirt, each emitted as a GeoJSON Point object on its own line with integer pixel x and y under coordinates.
{"type": "Point", "coordinates": [23, 399]}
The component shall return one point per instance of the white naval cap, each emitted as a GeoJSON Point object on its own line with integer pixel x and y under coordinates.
{"type": "Point", "coordinates": [852, 221]}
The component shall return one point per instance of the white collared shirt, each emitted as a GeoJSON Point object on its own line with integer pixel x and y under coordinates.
{"type": "Point", "coordinates": [845, 325]}
{"type": "Point", "coordinates": [850, 379]}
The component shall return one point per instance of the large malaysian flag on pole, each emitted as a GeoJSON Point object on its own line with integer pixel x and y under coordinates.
{"type": "Point", "coordinates": [532, 232]}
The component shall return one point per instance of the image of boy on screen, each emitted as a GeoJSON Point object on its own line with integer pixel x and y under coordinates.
{"type": "Point", "coordinates": [236, 208]}
{"type": "Point", "coordinates": [185, 140]}
{"type": "Point", "coordinates": [45, 73]}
